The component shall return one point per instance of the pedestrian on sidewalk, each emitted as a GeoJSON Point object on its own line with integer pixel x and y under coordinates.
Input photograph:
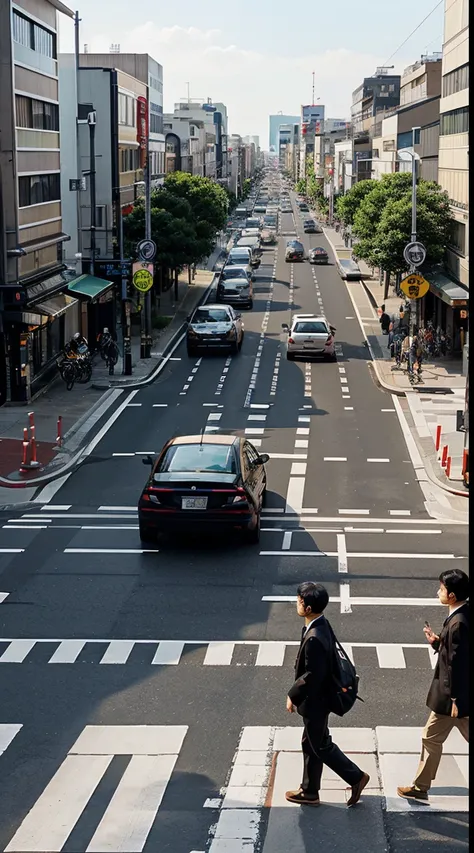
{"type": "Point", "coordinates": [309, 696]}
{"type": "Point", "coordinates": [385, 321]}
{"type": "Point", "coordinates": [448, 697]}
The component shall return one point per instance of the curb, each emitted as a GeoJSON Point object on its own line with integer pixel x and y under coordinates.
{"type": "Point", "coordinates": [76, 459]}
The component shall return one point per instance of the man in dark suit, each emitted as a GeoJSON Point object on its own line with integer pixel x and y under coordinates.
{"type": "Point", "coordinates": [448, 697]}
{"type": "Point", "coordinates": [309, 697]}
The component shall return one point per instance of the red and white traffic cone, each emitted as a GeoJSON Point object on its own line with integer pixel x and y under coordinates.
{"type": "Point", "coordinates": [24, 457]}
{"type": "Point", "coordinates": [33, 461]}
{"type": "Point", "coordinates": [59, 436]}
{"type": "Point", "coordinates": [444, 456]}
{"type": "Point", "coordinates": [438, 437]}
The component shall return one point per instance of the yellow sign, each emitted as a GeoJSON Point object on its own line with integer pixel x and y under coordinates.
{"type": "Point", "coordinates": [414, 286]}
{"type": "Point", "coordinates": [142, 277]}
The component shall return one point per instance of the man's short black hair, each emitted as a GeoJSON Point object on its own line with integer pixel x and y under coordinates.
{"type": "Point", "coordinates": [456, 581]}
{"type": "Point", "coordinates": [314, 595]}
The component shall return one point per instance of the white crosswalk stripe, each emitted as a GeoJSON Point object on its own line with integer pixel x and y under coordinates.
{"type": "Point", "coordinates": [265, 653]}
{"type": "Point", "coordinates": [129, 815]}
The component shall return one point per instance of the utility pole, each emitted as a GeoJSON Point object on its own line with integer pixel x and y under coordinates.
{"type": "Point", "coordinates": [148, 237]}
{"type": "Point", "coordinates": [91, 120]}
{"type": "Point", "coordinates": [77, 21]}
{"type": "Point", "coordinates": [312, 100]}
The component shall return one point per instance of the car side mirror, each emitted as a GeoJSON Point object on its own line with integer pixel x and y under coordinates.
{"type": "Point", "coordinates": [332, 329]}
{"type": "Point", "coordinates": [285, 327]}
{"type": "Point", "coordinates": [263, 458]}
{"type": "Point", "coordinates": [238, 316]}
{"type": "Point", "coordinates": [147, 460]}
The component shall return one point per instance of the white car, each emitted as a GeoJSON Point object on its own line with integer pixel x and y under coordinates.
{"type": "Point", "coordinates": [310, 334]}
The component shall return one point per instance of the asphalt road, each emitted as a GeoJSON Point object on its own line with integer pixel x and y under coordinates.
{"type": "Point", "coordinates": [199, 637]}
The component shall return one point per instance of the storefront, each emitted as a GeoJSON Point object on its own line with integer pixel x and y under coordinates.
{"type": "Point", "coordinates": [98, 305]}
{"type": "Point", "coordinates": [447, 307]}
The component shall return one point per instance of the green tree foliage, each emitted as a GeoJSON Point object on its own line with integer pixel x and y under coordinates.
{"type": "Point", "coordinates": [300, 186]}
{"type": "Point", "coordinates": [348, 204]}
{"type": "Point", "coordinates": [208, 199]}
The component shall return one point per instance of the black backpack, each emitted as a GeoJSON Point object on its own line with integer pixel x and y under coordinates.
{"type": "Point", "coordinates": [344, 681]}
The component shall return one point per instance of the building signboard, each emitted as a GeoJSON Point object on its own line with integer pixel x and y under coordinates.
{"type": "Point", "coordinates": [142, 128]}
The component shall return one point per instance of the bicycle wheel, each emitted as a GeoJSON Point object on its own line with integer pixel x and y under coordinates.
{"type": "Point", "coordinates": [113, 354]}
{"type": "Point", "coordinates": [84, 373]}
{"type": "Point", "coordinates": [68, 375]}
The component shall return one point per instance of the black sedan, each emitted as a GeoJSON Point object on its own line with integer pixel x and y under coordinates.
{"type": "Point", "coordinates": [204, 482]}
{"type": "Point", "coordinates": [318, 255]}
{"type": "Point", "coordinates": [294, 251]}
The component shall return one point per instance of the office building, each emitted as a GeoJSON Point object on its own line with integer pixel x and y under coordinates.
{"type": "Point", "coordinates": [275, 122]}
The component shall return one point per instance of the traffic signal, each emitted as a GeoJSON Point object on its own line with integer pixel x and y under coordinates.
{"type": "Point", "coordinates": [12, 296]}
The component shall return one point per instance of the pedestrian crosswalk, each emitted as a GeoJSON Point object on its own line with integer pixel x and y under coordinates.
{"type": "Point", "coordinates": [237, 653]}
{"type": "Point", "coordinates": [108, 787]}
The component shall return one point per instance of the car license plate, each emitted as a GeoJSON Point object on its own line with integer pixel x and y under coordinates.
{"type": "Point", "coordinates": [193, 503]}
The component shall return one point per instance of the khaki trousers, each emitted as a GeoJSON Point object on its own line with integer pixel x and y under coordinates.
{"type": "Point", "coordinates": [434, 735]}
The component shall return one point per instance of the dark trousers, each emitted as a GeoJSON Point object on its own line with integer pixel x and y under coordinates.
{"type": "Point", "coordinates": [318, 749]}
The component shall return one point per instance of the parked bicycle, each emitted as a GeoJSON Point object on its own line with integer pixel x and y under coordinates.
{"type": "Point", "coordinates": [108, 349]}
{"type": "Point", "coordinates": [73, 367]}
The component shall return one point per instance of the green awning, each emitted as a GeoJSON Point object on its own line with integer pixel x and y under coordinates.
{"type": "Point", "coordinates": [89, 286]}
{"type": "Point", "coordinates": [447, 290]}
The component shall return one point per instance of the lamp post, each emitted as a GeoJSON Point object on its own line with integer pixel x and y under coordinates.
{"type": "Point", "coordinates": [405, 154]}
{"type": "Point", "coordinates": [91, 121]}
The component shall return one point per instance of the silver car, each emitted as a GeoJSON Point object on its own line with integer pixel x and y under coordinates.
{"type": "Point", "coordinates": [214, 326]}
{"type": "Point", "coordinates": [235, 291]}
{"type": "Point", "coordinates": [310, 334]}
{"type": "Point", "coordinates": [349, 270]}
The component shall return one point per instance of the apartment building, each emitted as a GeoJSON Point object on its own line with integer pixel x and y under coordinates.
{"type": "Point", "coordinates": [36, 315]}
{"type": "Point", "coordinates": [370, 101]}
{"type": "Point", "coordinates": [274, 125]}
{"type": "Point", "coordinates": [454, 134]}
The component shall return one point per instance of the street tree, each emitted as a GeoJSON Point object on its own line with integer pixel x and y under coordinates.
{"type": "Point", "coordinates": [348, 204]}
{"type": "Point", "coordinates": [208, 200]}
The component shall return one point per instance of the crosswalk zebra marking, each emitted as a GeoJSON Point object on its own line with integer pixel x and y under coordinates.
{"type": "Point", "coordinates": [8, 731]}
{"type": "Point", "coordinates": [129, 816]}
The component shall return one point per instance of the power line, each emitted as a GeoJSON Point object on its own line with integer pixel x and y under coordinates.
{"type": "Point", "coordinates": [412, 33]}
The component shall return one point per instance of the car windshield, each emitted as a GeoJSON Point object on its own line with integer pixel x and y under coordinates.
{"type": "Point", "coordinates": [234, 272]}
{"type": "Point", "coordinates": [293, 244]}
{"type": "Point", "coordinates": [198, 457]}
{"type": "Point", "coordinates": [319, 251]}
{"type": "Point", "coordinates": [311, 326]}
{"type": "Point", "coordinates": [211, 315]}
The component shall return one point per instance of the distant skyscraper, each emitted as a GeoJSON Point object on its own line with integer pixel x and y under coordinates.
{"type": "Point", "coordinates": [255, 139]}
{"type": "Point", "coordinates": [275, 122]}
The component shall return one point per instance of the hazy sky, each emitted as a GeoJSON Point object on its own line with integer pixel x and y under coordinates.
{"type": "Point", "coordinates": [256, 58]}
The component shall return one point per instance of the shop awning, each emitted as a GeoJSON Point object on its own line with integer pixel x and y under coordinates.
{"type": "Point", "coordinates": [89, 286]}
{"type": "Point", "coordinates": [446, 289]}
{"type": "Point", "coordinates": [56, 306]}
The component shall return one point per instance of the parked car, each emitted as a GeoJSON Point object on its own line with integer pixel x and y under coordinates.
{"type": "Point", "coordinates": [235, 291]}
{"type": "Point", "coordinates": [268, 237]}
{"type": "Point", "coordinates": [204, 483]}
{"type": "Point", "coordinates": [214, 326]}
{"type": "Point", "coordinates": [294, 251]}
{"type": "Point", "coordinates": [349, 270]}
{"type": "Point", "coordinates": [310, 334]}
{"type": "Point", "coordinates": [318, 255]}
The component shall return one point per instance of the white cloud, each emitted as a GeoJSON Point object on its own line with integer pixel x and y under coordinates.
{"type": "Point", "coordinates": [250, 83]}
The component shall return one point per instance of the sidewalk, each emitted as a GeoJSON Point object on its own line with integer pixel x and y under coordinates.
{"type": "Point", "coordinates": [433, 403]}
{"type": "Point", "coordinates": [83, 406]}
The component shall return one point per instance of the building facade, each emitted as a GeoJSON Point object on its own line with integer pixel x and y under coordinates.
{"type": "Point", "coordinates": [376, 96]}
{"type": "Point", "coordinates": [36, 316]}
{"type": "Point", "coordinates": [274, 124]}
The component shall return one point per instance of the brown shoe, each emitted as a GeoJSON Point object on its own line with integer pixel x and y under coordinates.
{"type": "Point", "coordinates": [357, 790]}
{"type": "Point", "coordinates": [301, 798]}
{"type": "Point", "coordinates": [412, 793]}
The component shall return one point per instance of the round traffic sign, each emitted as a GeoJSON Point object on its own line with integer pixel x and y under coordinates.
{"type": "Point", "coordinates": [142, 280]}
{"type": "Point", "coordinates": [414, 254]}
{"type": "Point", "coordinates": [146, 250]}
{"type": "Point", "coordinates": [414, 286]}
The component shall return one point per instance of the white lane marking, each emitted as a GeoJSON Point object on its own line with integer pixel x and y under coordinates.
{"type": "Point", "coordinates": [388, 410]}
{"type": "Point", "coordinates": [60, 507]}
{"type": "Point", "coordinates": [294, 494]}
{"type": "Point", "coordinates": [290, 456]}
{"type": "Point", "coordinates": [123, 454]}
{"type": "Point", "coordinates": [256, 417]}
{"type": "Point", "coordinates": [299, 468]}
{"type": "Point", "coordinates": [334, 458]}
{"type": "Point", "coordinates": [129, 405]}
{"type": "Point", "coordinates": [287, 540]}
{"type": "Point", "coordinates": [257, 442]}
{"type": "Point", "coordinates": [8, 731]}
{"type": "Point", "coordinates": [168, 653]}
{"type": "Point", "coordinates": [341, 553]}
{"type": "Point", "coordinates": [345, 596]}
{"type": "Point", "coordinates": [303, 419]}
{"type": "Point", "coordinates": [110, 551]}
{"type": "Point", "coordinates": [11, 550]}
{"type": "Point", "coordinates": [24, 526]}
{"type": "Point", "coordinates": [259, 405]}
{"type": "Point", "coordinates": [399, 512]}
{"type": "Point", "coordinates": [385, 555]}
{"type": "Point", "coordinates": [254, 431]}
{"type": "Point", "coordinates": [98, 438]}
{"type": "Point", "coordinates": [368, 602]}
{"type": "Point", "coordinates": [68, 651]}
{"type": "Point", "coordinates": [117, 652]}
{"type": "Point", "coordinates": [354, 511]}
{"type": "Point", "coordinates": [106, 508]}
{"type": "Point", "coordinates": [302, 431]}
{"type": "Point", "coordinates": [270, 654]}
{"type": "Point", "coordinates": [214, 416]}
{"type": "Point", "coordinates": [306, 517]}
{"type": "Point", "coordinates": [3, 597]}
{"type": "Point", "coordinates": [390, 656]}
{"type": "Point", "coordinates": [348, 408]}
{"type": "Point", "coordinates": [160, 405]}
{"type": "Point", "coordinates": [374, 459]}
{"type": "Point", "coordinates": [415, 457]}
{"type": "Point", "coordinates": [301, 443]}
{"type": "Point", "coordinates": [50, 489]}
{"type": "Point", "coordinates": [343, 380]}
{"type": "Point", "coordinates": [219, 654]}
{"type": "Point", "coordinates": [17, 651]}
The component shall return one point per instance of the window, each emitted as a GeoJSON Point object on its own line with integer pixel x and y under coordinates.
{"type": "Point", "coordinates": [129, 159]}
{"type": "Point", "coordinates": [458, 237]}
{"type": "Point", "coordinates": [156, 123]}
{"type": "Point", "coordinates": [34, 36]}
{"type": "Point", "coordinates": [456, 121]}
{"type": "Point", "coordinates": [35, 114]}
{"type": "Point", "coordinates": [37, 189]}
{"type": "Point", "coordinates": [456, 80]}
{"type": "Point", "coordinates": [199, 457]}
{"type": "Point", "coordinates": [126, 110]}
{"type": "Point", "coordinates": [154, 83]}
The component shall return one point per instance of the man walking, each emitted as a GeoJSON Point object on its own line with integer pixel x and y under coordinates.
{"type": "Point", "coordinates": [309, 696]}
{"type": "Point", "coordinates": [448, 697]}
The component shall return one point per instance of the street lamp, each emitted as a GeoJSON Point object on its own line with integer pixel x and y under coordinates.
{"type": "Point", "coordinates": [404, 155]}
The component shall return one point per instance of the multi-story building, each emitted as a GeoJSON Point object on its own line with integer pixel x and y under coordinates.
{"type": "Point", "coordinates": [142, 67]}
{"type": "Point", "coordinates": [236, 164]}
{"type": "Point", "coordinates": [36, 314]}
{"type": "Point", "coordinates": [283, 141]}
{"type": "Point", "coordinates": [274, 122]}
{"type": "Point", "coordinates": [453, 168]}
{"type": "Point", "coordinates": [420, 92]}
{"type": "Point", "coordinates": [312, 123]}
{"type": "Point", "coordinates": [213, 120]}
{"type": "Point", "coordinates": [370, 101]}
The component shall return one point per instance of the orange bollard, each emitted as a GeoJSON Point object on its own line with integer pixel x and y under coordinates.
{"type": "Point", "coordinates": [438, 436]}
{"type": "Point", "coordinates": [444, 456]}
{"type": "Point", "coordinates": [448, 467]}
{"type": "Point", "coordinates": [59, 437]}
{"type": "Point", "coordinates": [33, 461]}
{"type": "Point", "coordinates": [465, 461]}
{"type": "Point", "coordinates": [26, 444]}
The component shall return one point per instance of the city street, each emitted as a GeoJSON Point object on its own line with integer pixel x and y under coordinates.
{"type": "Point", "coordinates": [144, 688]}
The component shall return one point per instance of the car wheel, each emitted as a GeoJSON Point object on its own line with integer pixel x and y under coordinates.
{"type": "Point", "coordinates": [252, 535]}
{"type": "Point", "coordinates": [290, 356]}
{"type": "Point", "coordinates": [146, 534]}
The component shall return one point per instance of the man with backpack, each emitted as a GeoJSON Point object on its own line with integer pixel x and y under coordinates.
{"type": "Point", "coordinates": [325, 680]}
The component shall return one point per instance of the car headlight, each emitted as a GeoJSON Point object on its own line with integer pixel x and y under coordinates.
{"type": "Point", "coordinates": [192, 333]}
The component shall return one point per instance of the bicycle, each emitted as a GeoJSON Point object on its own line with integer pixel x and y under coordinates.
{"type": "Point", "coordinates": [109, 352]}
